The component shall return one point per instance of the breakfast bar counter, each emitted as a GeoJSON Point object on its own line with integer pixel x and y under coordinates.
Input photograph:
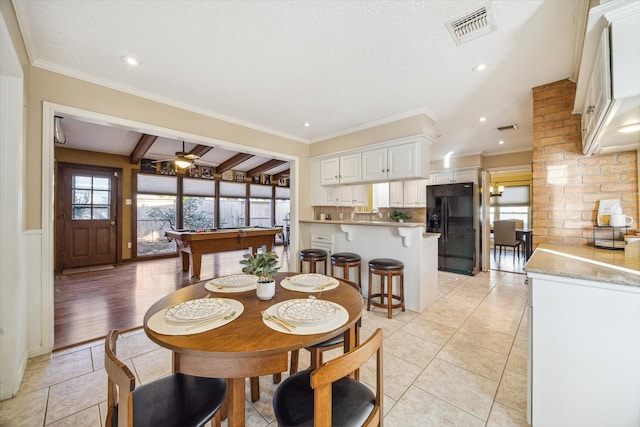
{"type": "Point", "coordinates": [403, 241]}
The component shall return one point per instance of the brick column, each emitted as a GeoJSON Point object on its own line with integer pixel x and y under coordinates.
{"type": "Point", "coordinates": [566, 184]}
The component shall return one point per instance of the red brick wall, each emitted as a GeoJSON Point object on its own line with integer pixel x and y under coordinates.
{"type": "Point", "coordinates": [566, 184]}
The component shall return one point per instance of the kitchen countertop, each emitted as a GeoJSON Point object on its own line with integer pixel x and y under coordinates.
{"type": "Point", "coordinates": [374, 223]}
{"type": "Point", "coordinates": [585, 262]}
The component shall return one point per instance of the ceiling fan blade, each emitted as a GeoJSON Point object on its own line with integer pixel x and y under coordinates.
{"type": "Point", "coordinates": [191, 156]}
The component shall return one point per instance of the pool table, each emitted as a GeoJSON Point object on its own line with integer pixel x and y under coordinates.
{"type": "Point", "coordinates": [192, 244]}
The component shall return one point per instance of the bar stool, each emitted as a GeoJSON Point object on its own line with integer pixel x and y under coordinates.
{"type": "Point", "coordinates": [386, 267]}
{"type": "Point", "coordinates": [346, 260]}
{"type": "Point", "coordinates": [313, 256]}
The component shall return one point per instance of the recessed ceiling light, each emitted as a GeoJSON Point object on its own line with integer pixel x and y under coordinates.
{"type": "Point", "coordinates": [483, 119]}
{"type": "Point", "coordinates": [306, 124]}
{"type": "Point", "coordinates": [479, 67]}
{"type": "Point", "coordinates": [635, 127]}
{"type": "Point", "coordinates": [129, 60]}
{"type": "Point", "coordinates": [501, 142]}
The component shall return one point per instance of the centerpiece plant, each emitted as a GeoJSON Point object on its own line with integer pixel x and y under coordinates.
{"type": "Point", "coordinates": [264, 265]}
{"type": "Point", "coordinates": [400, 216]}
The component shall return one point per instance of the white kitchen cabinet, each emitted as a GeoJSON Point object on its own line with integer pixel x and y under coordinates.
{"type": "Point", "coordinates": [598, 97]}
{"type": "Point", "coordinates": [400, 161]}
{"type": "Point", "coordinates": [332, 196]}
{"type": "Point", "coordinates": [415, 193]}
{"type": "Point", "coordinates": [583, 351]}
{"type": "Point", "coordinates": [341, 169]}
{"type": "Point", "coordinates": [396, 194]}
{"type": "Point", "coordinates": [454, 177]}
{"type": "Point", "coordinates": [353, 195]}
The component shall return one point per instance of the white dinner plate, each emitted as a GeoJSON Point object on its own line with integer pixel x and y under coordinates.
{"type": "Point", "coordinates": [306, 311]}
{"type": "Point", "coordinates": [197, 309]}
{"type": "Point", "coordinates": [235, 280]}
{"type": "Point", "coordinates": [311, 279]}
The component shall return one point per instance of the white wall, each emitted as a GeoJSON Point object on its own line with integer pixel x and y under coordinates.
{"type": "Point", "coordinates": [13, 257]}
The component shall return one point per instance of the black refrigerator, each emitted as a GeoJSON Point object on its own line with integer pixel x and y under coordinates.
{"type": "Point", "coordinates": [451, 212]}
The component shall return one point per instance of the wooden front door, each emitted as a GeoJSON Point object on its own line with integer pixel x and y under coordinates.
{"type": "Point", "coordinates": [86, 216]}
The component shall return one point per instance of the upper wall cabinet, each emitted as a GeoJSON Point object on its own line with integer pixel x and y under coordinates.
{"type": "Point", "coordinates": [453, 177]}
{"type": "Point", "coordinates": [341, 169]}
{"type": "Point", "coordinates": [608, 88]}
{"type": "Point", "coordinates": [396, 162]}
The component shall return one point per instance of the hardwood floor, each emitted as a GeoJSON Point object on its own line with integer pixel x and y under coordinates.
{"type": "Point", "coordinates": [87, 305]}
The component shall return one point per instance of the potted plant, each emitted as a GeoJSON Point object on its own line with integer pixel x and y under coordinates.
{"type": "Point", "coordinates": [263, 265]}
{"type": "Point", "coordinates": [400, 216]}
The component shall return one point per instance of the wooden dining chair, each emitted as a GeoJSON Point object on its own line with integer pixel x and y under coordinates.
{"type": "Point", "coordinates": [328, 396]}
{"type": "Point", "coordinates": [504, 234]}
{"type": "Point", "coordinates": [174, 400]}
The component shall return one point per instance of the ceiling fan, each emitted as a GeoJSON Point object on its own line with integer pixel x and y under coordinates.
{"type": "Point", "coordinates": [182, 159]}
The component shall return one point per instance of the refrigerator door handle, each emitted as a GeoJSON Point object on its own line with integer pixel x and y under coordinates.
{"type": "Point", "coordinates": [445, 219]}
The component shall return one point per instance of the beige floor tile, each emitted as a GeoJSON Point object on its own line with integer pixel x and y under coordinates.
{"type": "Point", "coordinates": [407, 347]}
{"type": "Point", "coordinates": [470, 392]}
{"type": "Point", "coordinates": [475, 334]}
{"type": "Point", "coordinates": [419, 408]}
{"type": "Point", "coordinates": [429, 330]}
{"type": "Point", "coordinates": [397, 375]}
{"type": "Point", "coordinates": [153, 365]}
{"type": "Point", "coordinates": [501, 416]}
{"type": "Point", "coordinates": [373, 320]}
{"type": "Point", "coordinates": [473, 358]}
{"type": "Point", "coordinates": [89, 417]}
{"type": "Point", "coordinates": [447, 313]}
{"type": "Point", "coordinates": [26, 409]}
{"type": "Point", "coordinates": [512, 391]}
{"type": "Point", "coordinates": [54, 370]}
{"type": "Point", "coordinates": [76, 394]}
{"type": "Point", "coordinates": [517, 360]}
{"type": "Point", "coordinates": [134, 344]}
{"type": "Point", "coordinates": [506, 322]}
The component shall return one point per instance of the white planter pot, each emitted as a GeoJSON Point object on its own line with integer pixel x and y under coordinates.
{"type": "Point", "coordinates": [266, 290]}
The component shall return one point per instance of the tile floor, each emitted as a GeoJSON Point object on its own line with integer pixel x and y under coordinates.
{"type": "Point", "coordinates": [461, 362]}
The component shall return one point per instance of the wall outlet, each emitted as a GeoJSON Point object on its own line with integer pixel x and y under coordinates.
{"type": "Point", "coordinates": [128, 202]}
{"type": "Point", "coordinates": [129, 245]}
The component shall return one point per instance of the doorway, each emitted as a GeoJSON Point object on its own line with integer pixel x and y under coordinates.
{"type": "Point", "coordinates": [87, 226]}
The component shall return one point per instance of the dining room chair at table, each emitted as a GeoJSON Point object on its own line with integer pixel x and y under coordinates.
{"type": "Point", "coordinates": [504, 234]}
{"type": "Point", "coordinates": [174, 400]}
{"type": "Point", "coordinates": [328, 396]}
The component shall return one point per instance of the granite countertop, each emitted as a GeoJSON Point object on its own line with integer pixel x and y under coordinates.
{"type": "Point", "coordinates": [357, 222]}
{"type": "Point", "coordinates": [585, 262]}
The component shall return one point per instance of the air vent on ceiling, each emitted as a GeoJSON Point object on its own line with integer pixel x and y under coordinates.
{"type": "Point", "coordinates": [472, 25]}
{"type": "Point", "coordinates": [506, 128]}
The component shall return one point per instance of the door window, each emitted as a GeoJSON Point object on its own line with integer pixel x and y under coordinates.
{"type": "Point", "coordinates": [91, 197]}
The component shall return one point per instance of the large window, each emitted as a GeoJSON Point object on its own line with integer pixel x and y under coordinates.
{"type": "Point", "coordinates": [513, 204]}
{"type": "Point", "coordinates": [198, 204]}
{"type": "Point", "coordinates": [260, 203]}
{"type": "Point", "coordinates": [174, 202]}
{"type": "Point", "coordinates": [156, 212]}
{"type": "Point", "coordinates": [233, 201]}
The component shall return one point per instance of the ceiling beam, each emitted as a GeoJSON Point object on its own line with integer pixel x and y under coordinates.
{"type": "Point", "coordinates": [200, 150]}
{"type": "Point", "coordinates": [233, 162]}
{"type": "Point", "coordinates": [283, 174]}
{"type": "Point", "coordinates": [265, 167]}
{"type": "Point", "coordinates": [144, 143]}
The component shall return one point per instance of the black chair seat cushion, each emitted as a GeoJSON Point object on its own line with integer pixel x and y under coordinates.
{"type": "Point", "coordinates": [345, 257]}
{"type": "Point", "coordinates": [313, 253]}
{"type": "Point", "coordinates": [176, 400]}
{"type": "Point", "coordinates": [386, 264]}
{"type": "Point", "coordinates": [330, 342]}
{"type": "Point", "coordinates": [352, 401]}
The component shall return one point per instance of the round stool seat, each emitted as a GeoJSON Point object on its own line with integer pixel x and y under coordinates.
{"type": "Point", "coordinates": [386, 264]}
{"type": "Point", "coordinates": [313, 256]}
{"type": "Point", "coordinates": [313, 253]}
{"type": "Point", "coordinates": [340, 257]}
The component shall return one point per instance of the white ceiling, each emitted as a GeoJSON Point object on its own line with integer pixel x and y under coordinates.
{"type": "Point", "coordinates": [339, 65]}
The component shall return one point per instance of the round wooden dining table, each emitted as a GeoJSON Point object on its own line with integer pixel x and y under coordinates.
{"type": "Point", "coordinates": [247, 347]}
